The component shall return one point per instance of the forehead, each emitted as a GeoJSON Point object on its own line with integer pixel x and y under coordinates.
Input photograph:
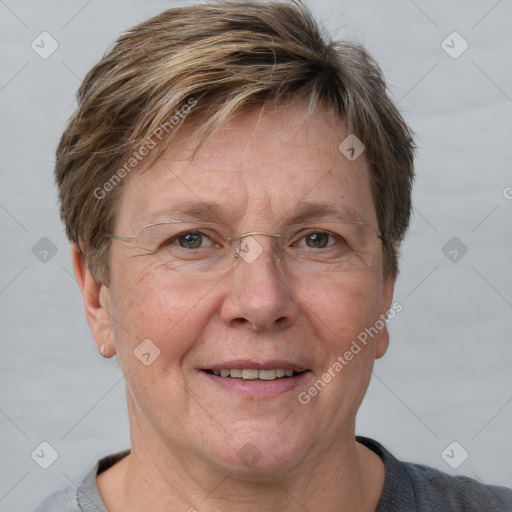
{"type": "Point", "coordinates": [261, 163]}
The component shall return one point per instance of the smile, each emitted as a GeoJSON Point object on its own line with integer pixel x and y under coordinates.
{"type": "Point", "coordinates": [252, 374]}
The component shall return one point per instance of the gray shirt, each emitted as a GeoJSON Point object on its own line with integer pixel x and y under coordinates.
{"type": "Point", "coordinates": [407, 488]}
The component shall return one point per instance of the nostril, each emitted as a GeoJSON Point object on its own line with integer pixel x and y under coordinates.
{"type": "Point", "coordinates": [240, 321]}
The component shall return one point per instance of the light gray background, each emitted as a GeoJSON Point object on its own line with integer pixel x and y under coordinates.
{"type": "Point", "coordinates": [447, 375]}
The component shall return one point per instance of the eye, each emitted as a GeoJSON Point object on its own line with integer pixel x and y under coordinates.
{"type": "Point", "coordinates": [191, 240]}
{"type": "Point", "coordinates": [317, 239]}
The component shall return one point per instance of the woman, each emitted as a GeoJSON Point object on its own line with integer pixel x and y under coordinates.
{"type": "Point", "coordinates": [236, 188]}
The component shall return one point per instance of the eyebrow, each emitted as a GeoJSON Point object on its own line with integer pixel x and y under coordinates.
{"type": "Point", "coordinates": [219, 213]}
{"type": "Point", "coordinates": [312, 210]}
{"type": "Point", "coordinates": [195, 210]}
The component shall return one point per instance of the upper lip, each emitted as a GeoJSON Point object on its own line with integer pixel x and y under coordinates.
{"type": "Point", "coordinates": [246, 364]}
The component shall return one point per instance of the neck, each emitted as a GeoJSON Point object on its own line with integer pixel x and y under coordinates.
{"type": "Point", "coordinates": [346, 477]}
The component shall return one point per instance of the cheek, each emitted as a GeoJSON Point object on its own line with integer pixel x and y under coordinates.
{"type": "Point", "coordinates": [147, 306]}
{"type": "Point", "coordinates": [342, 308]}
{"type": "Point", "coordinates": [339, 312]}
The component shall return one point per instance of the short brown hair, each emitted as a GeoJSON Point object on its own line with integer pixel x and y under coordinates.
{"type": "Point", "coordinates": [225, 56]}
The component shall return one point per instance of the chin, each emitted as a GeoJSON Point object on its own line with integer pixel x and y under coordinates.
{"type": "Point", "coordinates": [254, 453]}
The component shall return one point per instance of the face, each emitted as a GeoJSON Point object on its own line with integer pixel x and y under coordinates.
{"type": "Point", "coordinates": [260, 173]}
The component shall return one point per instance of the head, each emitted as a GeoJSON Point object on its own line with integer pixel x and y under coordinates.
{"type": "Point", "coordinates": [236, 110]}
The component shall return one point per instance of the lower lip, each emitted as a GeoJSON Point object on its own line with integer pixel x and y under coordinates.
{"type": "Point", "coordinates": [262, 388]}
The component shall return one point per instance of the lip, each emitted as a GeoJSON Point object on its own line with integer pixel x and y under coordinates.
{"type": "Point", "coordinates": [257, 388]}
{"type": "Point", "coordinates": [246, 364]}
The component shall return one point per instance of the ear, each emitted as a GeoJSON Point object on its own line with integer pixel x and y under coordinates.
{"type": "Point", "coordinates": [382, 340]}
{"type": "Point", "coordinates": [96, 302]}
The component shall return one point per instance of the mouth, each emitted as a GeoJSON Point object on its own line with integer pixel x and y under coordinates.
{"type": "Point", "coordinates": [254, 374]}
{"type": "Point", "coordinates": [257, 379]}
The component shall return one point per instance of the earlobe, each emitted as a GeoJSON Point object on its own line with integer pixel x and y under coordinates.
{"type": "Point", "coordinates": [382, 343]}
{"type": "Point", "coordinates": [96, 302]}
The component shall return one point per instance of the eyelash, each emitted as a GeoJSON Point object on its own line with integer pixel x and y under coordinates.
{"type": "Point", "coordinates": [296, 238]}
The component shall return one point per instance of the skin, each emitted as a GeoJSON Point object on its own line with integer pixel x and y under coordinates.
{"type": "Point", "coordinates": [185, 430]}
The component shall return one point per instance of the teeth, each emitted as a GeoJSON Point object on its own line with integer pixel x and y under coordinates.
{"type": "Point", "coordinates": [267, 374]}
{"type": "Point", "coordinates": [248, 374]}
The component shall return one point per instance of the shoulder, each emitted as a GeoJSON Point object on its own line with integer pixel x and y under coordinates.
{"type": "Point", "coordinates": [415, 487]}
{"type": "Point", "coordinates": [456, 493]}
{"type": "Point", "coordinates": [84, 496]}
{"type": "Point", "coordinates": [62, 501]}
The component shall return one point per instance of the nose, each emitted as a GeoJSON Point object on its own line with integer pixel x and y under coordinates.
{"type": "Point", "coordinates": [259, 293]}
